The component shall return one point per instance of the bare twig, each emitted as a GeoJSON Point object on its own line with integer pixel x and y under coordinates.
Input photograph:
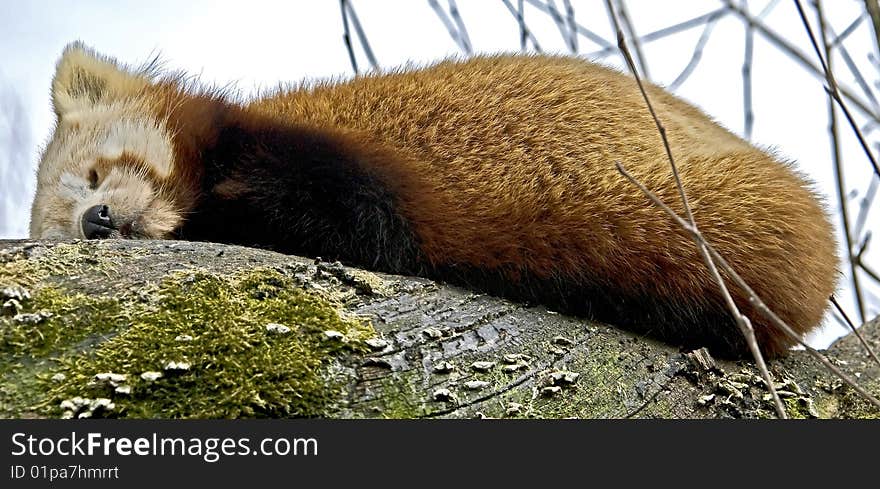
{"type": "Point", "coordinates": [748, 57]}
{"type": "Point", "coordinates": [779, 323]}
{"type": "Point", "coordinates": [567, 27]}
{"type": "Point", "coordinates": [346, 36]}
{"type": "Point", "coordinates": [768, 8]}
{"type": "Point", "coordinates": [695, 57]}
{"type": "Point", "coordinates": [561, 23]}
{"type": "Point", "coordinates": [748, 112]}
{"type": "Point", "coordinates": [833, 90]}
{"type": "Point", "coordinates": [684, 25]}
{"type": "Point", "coordinates": [572, 26]}
{"type": "Point", "coordinates": [849, 118]}
{"type": "Point", "coordinates": [581, 30]}
{"type": "Point", "coordinates": [865, 206]}
{"type": "Point", "coordinates": [870, 271]}
{"type": "Point", "coordinates": [834, 136]}
{"type": "Point", "coordinates": [837, 317]}
{"type": "Point", "coordinates": [631, 35]}
{"type": "Point", "coordinates": [858, 257]}
{"type": "Point", "coordinates": [855, 330]}
{"type": "Point", "coordinates": [742, 322]}
{"type": "Point", "coordinates": [454, 32]}
{"type": "Point", "coordinates": [839, 38]}
{"type": "Point", "coordinates": [864, 245]}
{"type": "Point", "coordinates": [874, 12]}
{"type": "Point", "coordinates": [797, 55]}
{"type": "Point", "coordinates": [362, 36]}
{"type": "Point", "coordinates": [462, 30]}
{"type": "Point", "coordinates": [857, 74]}
{"type": "Point", "coordinates": [447, 22]}
{"type": "Point", "coordinates": [525, 34]}
{"type": "Point", "coordinates": [665, 32]}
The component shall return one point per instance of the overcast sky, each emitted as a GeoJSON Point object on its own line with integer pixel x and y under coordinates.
{"type": "Point", "coordinates": [257, 44]}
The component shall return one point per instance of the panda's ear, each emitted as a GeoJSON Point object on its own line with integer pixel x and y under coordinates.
{"type": "Point", "coordinates": [84, 78]}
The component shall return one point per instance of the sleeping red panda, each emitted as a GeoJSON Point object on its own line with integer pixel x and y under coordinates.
{"type": "Point", "coordinates": [495, 173]}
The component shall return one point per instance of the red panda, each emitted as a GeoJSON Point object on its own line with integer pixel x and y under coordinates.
{"type": "Point", "coordinates": [496, 173]}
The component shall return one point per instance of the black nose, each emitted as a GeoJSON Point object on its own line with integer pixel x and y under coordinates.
{"type": "Point", "coordinates": [97, 223]}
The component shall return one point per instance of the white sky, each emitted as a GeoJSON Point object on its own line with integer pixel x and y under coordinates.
{"type": "Point", "coordinates": [259, 43]}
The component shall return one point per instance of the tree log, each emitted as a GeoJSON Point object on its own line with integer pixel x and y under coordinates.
{"type": "Point", "coordinates": [83, 335]}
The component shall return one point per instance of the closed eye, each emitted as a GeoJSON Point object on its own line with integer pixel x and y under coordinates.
{"type": "Point", "coordinates": [93, 179]}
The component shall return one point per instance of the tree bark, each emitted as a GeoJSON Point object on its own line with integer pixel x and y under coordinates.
{"type": "Point", "coordinates": [438, 350]}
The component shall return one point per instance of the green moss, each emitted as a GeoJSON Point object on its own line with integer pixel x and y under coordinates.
{"type": "Point", "coordinates": [400, 399]}
{"type": "Point", "coordinates": [56, 321]}
{"type": "Point", "coordinates": [597, 390]}
{"type": "Point", "coordinates": [796, 408]}
{"type": "Point", "coordinates": [59, 324]}
{"type": "Point", "coordinates": [857, 407]}
{"type": "Point", "coordinates": [216, 325]}
{"type": "Point", "coordinates": [62, 259]}
{"type": "Point", "coordinates": [827, 406]}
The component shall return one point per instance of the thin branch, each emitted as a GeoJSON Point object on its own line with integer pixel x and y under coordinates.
{"type": "Point", "coordinates": [450, 26]}
{"type": "Point", "coordinates": [561, 24]}
{"type": "Point", "coordinates": [631, 35]}
{"type": "Point", "coordinates": [849, 118]}
{"type": "Point", "coordinates": [524, 33]}
{"type": "Point", "coordinates": [742, 322]}
{"type": "Point", "coordinates": [695, 57]}
{"type": "Point", "coordinates": [754, 300]}
{"type": "Point", "coordinates": [768, 8]}
{"type": "Point", "coordinates": [447, 22]}
{"type": "Point", "coordinates": [462, 30]}
{"type": "Point", "coordinates": [572, 26]}
{"type": "Point", "coordinates": [855, 330]}
{"type": "Point", "coordinates": [838, 39]}
{"type": "Point", "coordinates": [832, 89]}
{"type": "Point", "coordinates": [581, 30]}
{"type": "Point", "coordinates": [683, 26]}
{"type": "Point", "coordinates": [865, 206]}
{"type": "Point", "coordinates": [857, 74]}
{"type": "Point", "coordinates": [346, 36]}
{"type": "Point", "coordinates": [835, 97]}
{"type": "Point", "coordinates": [759, 304]}
{"type": "Point", "coordinates": [834, 135]}
{"type": "Point", "coordinates": [797, 55]}
{"type": "Point", "coordinates": [665, 32]}
{"type": "Point", "coordinates": [362, 36]}
{"type": "Point", "coordinates": [863, 247]}
{"type": "Point", "coordinates": [837, 317]}
{"type": "Point", "coordinates": [621, 44]}
{"type": "Point", "coordinates": [748, 112]}
{"type": "Point", "coordinates": [874, 12]}
{"type": "Point", "coordinates": [870, 272]}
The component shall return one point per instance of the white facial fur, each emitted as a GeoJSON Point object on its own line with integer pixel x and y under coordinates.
{"type": "Point", "coordinates": [103, 115]}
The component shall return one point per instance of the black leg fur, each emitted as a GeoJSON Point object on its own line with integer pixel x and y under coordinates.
{"type": "Point", "coordinates": [300, 192]}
